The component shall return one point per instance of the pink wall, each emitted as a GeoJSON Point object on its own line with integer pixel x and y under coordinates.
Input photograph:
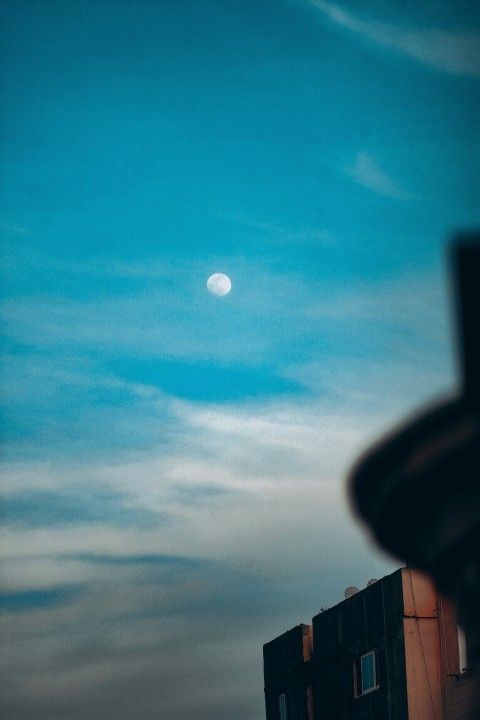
{"type": "Point", "coordinates": [423, 650]}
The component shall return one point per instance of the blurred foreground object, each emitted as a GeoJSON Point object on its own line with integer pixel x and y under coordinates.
{"type": "Point", "coordinates": [419, 489]}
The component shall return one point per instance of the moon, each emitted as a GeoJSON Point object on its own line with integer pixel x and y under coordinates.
{"type": "Point", "coordinates": [219, 284]}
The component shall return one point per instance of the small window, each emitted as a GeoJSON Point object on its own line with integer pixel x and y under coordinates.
{"type": "Point", "coordinates": [462, 649]}
{"type": "Point", "coordinates": [282, 706]}
{"type": "Point", "coordinates": [365, 673]}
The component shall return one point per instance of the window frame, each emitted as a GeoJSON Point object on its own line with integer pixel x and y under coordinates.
{"type": "Point", "coordinates": [358, 674]}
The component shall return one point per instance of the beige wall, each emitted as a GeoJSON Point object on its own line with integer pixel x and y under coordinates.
{"type": "Point", "coordinates": [307, 655]}
{"type": "Point", "coordinates": [435, 688]}
{"type": "Point", "coordinates": [423, 647]}
{"type": "Point", "coordinates": [307, 642]}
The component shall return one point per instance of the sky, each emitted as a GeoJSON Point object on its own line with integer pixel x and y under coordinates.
{"type": "Point", "coordinates": [174, 463]}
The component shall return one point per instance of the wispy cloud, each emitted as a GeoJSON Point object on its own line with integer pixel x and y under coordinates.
{"type": "Point", "coordinates": [151, 559]}
{"type": "Point", "coordinates": [50, 509]}
{"type": "Point", "coordinates": [176, 320]}
{"type": "Point", "coordinates": [59, 394]}
{"type": "Point", "coordinates": [367, 172]}
{"type": "Point", "coordinates": [238, 474]}
{"type": "Point", "coordinates": [275, 233]}
{"type": "Point", "coordinates": [254, 489]}
{"type": "Point", "coordinates": [127, 636]}
{"type": "Point", "coordinates": [454, 51]}
{"type": "Point", "coordinates": [214, 522]}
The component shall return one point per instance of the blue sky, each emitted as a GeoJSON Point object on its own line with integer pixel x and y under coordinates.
{"type": "Point", "coordinates": [174, 463]}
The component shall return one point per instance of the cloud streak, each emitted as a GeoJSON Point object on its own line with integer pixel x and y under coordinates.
{"type": "Point", "coordinates": [367, 172]}
{"type": "Point", "coordinates": [453, 51]}
{"type": "Point", "coordinates": [78, 396]}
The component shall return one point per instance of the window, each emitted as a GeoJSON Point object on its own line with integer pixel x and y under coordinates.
{"type": "Point", "coordinates": [282, 706]}
{"type": "Point", "coordinates": [462, 649]}
{"type": "Point", "coordinates": [365, 673]}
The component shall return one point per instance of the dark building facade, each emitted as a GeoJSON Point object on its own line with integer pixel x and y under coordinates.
{"type": "Point", "coordinates": [288, 667]}
{"type": "Point", "coordinates": [388, 652]}
{"type": "Point", "coordinates": [359, 645]}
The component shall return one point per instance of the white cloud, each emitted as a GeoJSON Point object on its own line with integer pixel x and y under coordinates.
{"type": "Point", "coordinates": [255, 490]}
{"type": "Point", "coordinates": [262, 455]}
{"type": "Point", "coordinates": [355, 338]}
{"type": "Point", "coordinates": [228, 475]}
{"type": "Point", "coordinates": [414, 301]}
{"type": "Point", "coordinates": [279, 468]}
{"type": "Point", "coordinates": [367, 172]}
{"type": "Point", "coordinates": [454, 51]}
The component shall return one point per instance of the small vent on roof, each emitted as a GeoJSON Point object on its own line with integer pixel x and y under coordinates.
{"type": "Point", "coordinates": [351, 590]}
{"type": "Point", "coordinates": [371, 581]}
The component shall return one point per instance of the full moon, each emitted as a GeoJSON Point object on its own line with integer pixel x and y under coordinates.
{"type": "Point", "coordinates": [219, 284]}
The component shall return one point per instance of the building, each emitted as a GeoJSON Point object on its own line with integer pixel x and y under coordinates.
{"type": "Point", "coordinates": [288, 667]}
{"type": "Point", "coordinates": [387, 652]}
